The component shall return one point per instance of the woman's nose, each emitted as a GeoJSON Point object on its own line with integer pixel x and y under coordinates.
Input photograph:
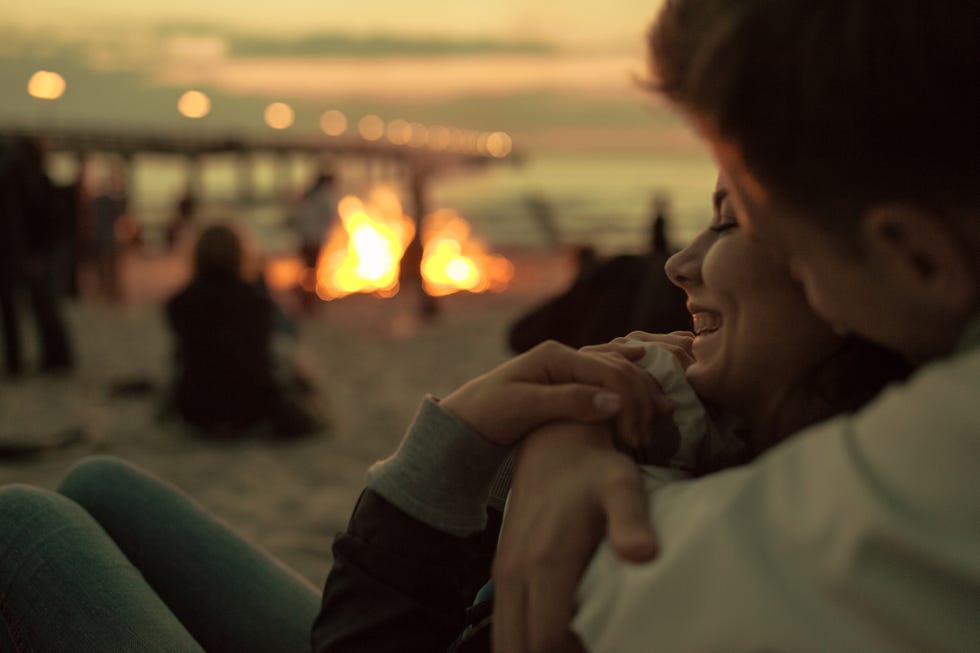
{"type": "Point", "coordinates": [684, 268]}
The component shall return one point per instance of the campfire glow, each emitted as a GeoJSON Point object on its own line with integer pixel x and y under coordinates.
{"type": "Point", "coordinates": [453, 260]}
{"type": "Point", "coordinates": [363, 252]}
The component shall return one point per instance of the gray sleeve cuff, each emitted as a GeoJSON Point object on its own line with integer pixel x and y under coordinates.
{"type": "Point", "coordinates": [442, 472]}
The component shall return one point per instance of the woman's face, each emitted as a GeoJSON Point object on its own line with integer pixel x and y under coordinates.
{"type": "Point", "coordinates": [755, 335]}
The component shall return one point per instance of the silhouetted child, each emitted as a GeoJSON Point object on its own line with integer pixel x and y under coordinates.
{"type": "Point", "coordinates": [225, 370]}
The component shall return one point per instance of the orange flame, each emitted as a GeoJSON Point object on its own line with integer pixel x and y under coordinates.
{"type": "Point", "coordinates": [364, 251]}
{"type": "Point", "coordinates": [453, 260]}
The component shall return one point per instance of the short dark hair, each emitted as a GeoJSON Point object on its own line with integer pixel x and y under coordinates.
{"type": "Point", "coordinates": [836, 104]}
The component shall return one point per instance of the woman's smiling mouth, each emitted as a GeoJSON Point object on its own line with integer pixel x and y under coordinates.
{"type": "Point", "coordinates": [704, 322]}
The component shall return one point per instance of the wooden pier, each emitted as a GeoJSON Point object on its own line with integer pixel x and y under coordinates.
{"type": "Point", "coordinates": [413, 166]}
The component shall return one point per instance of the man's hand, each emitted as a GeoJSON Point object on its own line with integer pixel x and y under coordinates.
{"type": "Point", "coordinates": [571, 488]}
{"type": "Point", "coordinates": [553, 381]}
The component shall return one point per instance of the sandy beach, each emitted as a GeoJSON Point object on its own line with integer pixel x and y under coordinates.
{"type": "Point", "coordinates": [371, 359]}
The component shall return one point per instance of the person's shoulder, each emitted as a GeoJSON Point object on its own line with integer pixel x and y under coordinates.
{"type": "Point", "coordinates": [183, 295]}
{"type": "Point", "coordinates": [178, 305]}
{"type": "Point", "coordinates": [953, 379]}
{"type": "Point", "coordinates": [622, 267]}
{"type": "Point", "coordinates": [254, 291]}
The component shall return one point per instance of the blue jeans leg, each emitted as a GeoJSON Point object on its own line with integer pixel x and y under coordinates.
{"type": "Point", "coordinates": [228, 593]}
{"type": "Point", "coordinates": [65, 586]}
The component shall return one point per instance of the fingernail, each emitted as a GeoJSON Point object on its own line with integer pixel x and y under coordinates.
{"type": "Point", "coordinates": [606, 402]}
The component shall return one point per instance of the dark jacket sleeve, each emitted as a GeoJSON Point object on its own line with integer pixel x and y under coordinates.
{"type": "Point", "coordinates": [399, 585]}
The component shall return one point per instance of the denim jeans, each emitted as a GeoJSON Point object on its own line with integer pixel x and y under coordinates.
{"type": "Point", "coordinates": [117, 560]}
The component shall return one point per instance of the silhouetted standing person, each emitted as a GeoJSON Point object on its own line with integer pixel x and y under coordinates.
{"type": "Point", "coordinates": [659, 307]}
{"type": "Point", "coordinates": [183, 216]}
{"type": "Point", "coordinates": [11, 250]}
{"type": "Point", "coordinates": [108, 209]}
{"type": "Point", "coordinates": [30, 237]}
{"type": "Point", "coordinates": [312, 219]}
{"type": "Point", "coordinates": [75, 206]}
{"type": "Point", "coordinates": [658, 226]}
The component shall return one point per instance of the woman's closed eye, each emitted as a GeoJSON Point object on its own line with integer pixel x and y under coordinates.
{"type": "Point", "coordinates": [724, 225]}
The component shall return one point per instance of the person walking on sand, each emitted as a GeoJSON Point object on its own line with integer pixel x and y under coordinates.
{"type": "Point", "coordinates": [313, 218]}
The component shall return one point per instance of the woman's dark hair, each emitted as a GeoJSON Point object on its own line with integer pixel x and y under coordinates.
{"type": "Point", "coordinates": [840, 384]}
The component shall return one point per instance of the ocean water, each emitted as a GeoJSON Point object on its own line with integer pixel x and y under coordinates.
{"type": "Point", "coordinates": [604, 200]}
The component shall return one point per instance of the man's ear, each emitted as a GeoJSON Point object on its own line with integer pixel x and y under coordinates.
{"type": "Point", "coordinates": [921, 254]}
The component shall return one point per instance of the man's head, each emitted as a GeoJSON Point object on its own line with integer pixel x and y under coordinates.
{"type": "Point", "coordinates": [846, 131]}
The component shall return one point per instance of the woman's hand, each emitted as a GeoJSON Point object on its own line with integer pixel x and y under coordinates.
{"type": "Point", "coordinates": [571, 488]}
{"type": "Point", "coordinates": [679, 343]}
{"type": "Point", "coordinates": [553, 381]}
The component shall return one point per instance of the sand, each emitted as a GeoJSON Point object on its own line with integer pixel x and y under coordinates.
{"type": "Point", "coordinates": [372, 360]}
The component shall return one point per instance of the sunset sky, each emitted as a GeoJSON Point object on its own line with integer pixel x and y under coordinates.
{"type": "Point", "coordinates": [572, 22]}
{"type": "Point", "coordinates": [549, 71]}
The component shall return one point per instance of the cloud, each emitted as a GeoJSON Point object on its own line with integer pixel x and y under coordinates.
{"type": "Point", "coordinates": [411, 78]}
{"type": "Point", "coordinates": [345, 45]}
{"type": "Point", "coordinates": [136, 77]}
{"type": "Point", "coordinates": [197, 47]}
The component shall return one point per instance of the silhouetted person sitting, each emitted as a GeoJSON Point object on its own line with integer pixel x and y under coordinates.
{"type": "Point", "coordinates": [608, 299]}
{"type": "Point", "coordinates": [225, 377]}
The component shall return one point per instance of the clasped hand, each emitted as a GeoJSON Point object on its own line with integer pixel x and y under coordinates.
{"type": "Point", "coordinates": [553, 381]}
{"type": "Point", "coordinates": [572, 486]}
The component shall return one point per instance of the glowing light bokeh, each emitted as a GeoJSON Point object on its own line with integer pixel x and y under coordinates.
{"type": "Point", "coordinates": [456, 137]}
{"type": "Point", "coordinates": [453, 260]}
{"type": "Point", "coordinates": [499, 144]}
{"type": "Point", "coordinates": [279, 115]}
{"type": "Point", "coordinates": [470, 143]}
{"type": "Point", "coordinates": [46, 85]}
{"type": "Point", "coordinates": [194, 104]}
{"type": "Point", "coordinates": [417, 134]}
{"type": "Point", "coordinates": [333, 122]}
{"type": "Point", "coordinates": [399, 132]}
{"type": "Point", "coordinates": [371, 127]}
{"type": "Point", "coordinates": [438, 137]}
{"type": "Point", "coordinates": [283, 272]}
{"type": "Point", "coordinates": [481, 142]}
